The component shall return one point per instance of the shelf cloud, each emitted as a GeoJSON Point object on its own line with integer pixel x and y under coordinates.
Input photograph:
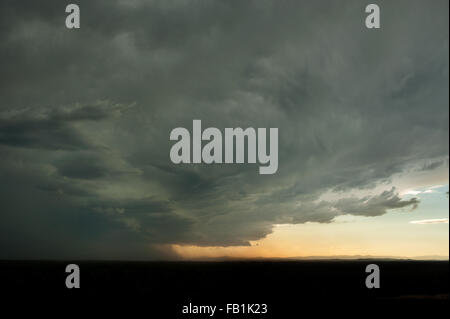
{"type": "Point", "coordinates": [85, 118]}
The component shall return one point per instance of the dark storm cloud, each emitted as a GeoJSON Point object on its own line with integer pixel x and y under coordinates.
{"type": "Point", "coordinates": [376, 205]}
{"type": "Point", "coordinates": [85, 118]}
{"type": "Point", "coordinates": [434, 164]}
{"type": "Point", "coordinates": [51, 128]}
{"type": "Point", "coordinates": [86, 168]}
{"type": "Point", "coordinates": [39, 133]}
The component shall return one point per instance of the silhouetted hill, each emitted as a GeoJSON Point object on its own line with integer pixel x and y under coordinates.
{"type": "Point", "coordinates": [287, 287]}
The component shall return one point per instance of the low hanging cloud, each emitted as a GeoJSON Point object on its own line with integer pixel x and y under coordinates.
{"type": "Point", "coordinates": [85, 119]}
{"type": "Point", "coordinates": [52, 128]}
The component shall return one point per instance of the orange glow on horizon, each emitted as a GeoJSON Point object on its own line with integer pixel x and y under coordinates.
{"type": "Point", "coordinates": [361, 237]}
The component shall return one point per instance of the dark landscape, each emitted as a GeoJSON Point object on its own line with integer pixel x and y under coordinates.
{"type": "Point", "coordinates": [289, 288]}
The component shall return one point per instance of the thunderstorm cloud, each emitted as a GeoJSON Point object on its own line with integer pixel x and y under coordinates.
{"type": "Point", "coordinates": [86, 114]}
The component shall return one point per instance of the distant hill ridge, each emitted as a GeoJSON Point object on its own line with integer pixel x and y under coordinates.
{"type": "Point", "coordinates": [336, 257]}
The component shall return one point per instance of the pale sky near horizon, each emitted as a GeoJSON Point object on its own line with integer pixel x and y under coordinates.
{"type": "Point", "coordinates": [423, 232]}
{"type": "Point", "coordinates": [412, 233]}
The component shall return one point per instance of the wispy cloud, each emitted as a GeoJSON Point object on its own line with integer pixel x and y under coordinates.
{"type": "Point", "coordinates": [430, 221]}
{"type": "Point", "coordinates": [415, 192]}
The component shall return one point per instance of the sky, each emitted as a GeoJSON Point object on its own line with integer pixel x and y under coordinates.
{"type": "Point", "coordinates": [86, 115]}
